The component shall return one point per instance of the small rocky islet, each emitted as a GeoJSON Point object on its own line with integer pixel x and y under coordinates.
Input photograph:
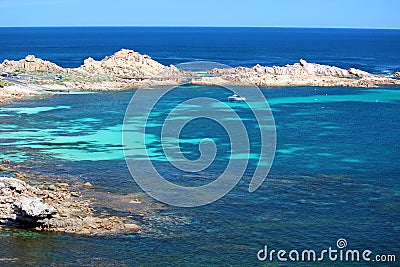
{"type": "Point", "coordinates": [53, 207]}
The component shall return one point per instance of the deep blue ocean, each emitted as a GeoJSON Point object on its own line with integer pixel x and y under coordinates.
{"type": "Point", "coordinates": [335, 174]}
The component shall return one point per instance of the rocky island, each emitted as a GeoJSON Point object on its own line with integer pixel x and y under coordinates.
{"type": "Point", "coordinates": [128, 69]}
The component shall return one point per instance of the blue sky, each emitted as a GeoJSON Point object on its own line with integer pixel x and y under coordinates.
{"type": "Point", "coordinates": [274, 13]}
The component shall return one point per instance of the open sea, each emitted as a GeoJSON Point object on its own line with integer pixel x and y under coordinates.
{"type": "Point", "coordinates": [336, 172]}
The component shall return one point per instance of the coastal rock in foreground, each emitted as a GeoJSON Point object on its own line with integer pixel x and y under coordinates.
{"type": "Point", "coordinates": [11, 191]}
{"type": "Point", "coordinates": [54, 208]}
{"type": "Point", "coordinates": [31, 210]}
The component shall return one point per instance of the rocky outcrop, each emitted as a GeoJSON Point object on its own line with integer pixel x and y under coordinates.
{"type": "Point", "coordinates": [54, 208]}
{"type": "Point", "coordinates": [298, 74]}
{"type": "Point", "coordinates": [31, 64]}
{"type": "Point", "coordinates": [397, 74]}
{"type": "Point", "coordinates": [125, 69]}
{"type": "Point", "coordinates": [126, 64]}
{"type": "Point", "coordinates": [303, 68]}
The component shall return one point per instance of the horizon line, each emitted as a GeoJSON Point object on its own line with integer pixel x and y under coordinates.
{"type": "Point", "coordinates": [192, 26]}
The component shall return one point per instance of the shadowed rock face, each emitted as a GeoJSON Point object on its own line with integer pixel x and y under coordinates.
{"type": "Point", "coordinates": [54, 208]}
{"type": "Point", "coordinates": [31, 210]}
{"type": "Point", "coordinates": [11, 191]}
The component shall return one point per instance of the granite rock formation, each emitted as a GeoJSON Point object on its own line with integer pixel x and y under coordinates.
{"type": "Point", "coordinates": [126, 64]}
{"type": "Point", "coordinates": [303, 68]}
{"type": "Point", "coordinates": [298, 74]}
{"type": "Point", "coordinates": [127, 69]}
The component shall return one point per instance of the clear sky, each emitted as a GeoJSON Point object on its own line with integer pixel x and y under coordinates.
{"type": "Point", "coordinates": [268, 13]}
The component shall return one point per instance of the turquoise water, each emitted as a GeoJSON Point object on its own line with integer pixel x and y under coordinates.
{"type": "Point", "coordinates": [335, 175]}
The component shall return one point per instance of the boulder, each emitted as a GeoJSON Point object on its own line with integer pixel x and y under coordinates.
{"type": "Point", "coordinates": [30, 58]}
{"type": "Point", "coordinates": [31, 210]}
{"type": "Point", "coordinates": [397, 74]}
{"type": "Point", "coordinates": [303, 63]}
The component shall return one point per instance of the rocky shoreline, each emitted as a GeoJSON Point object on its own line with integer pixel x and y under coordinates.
{"type": "Point", "coordinates": [53, 207]}
{"type": "Point", "coordinates": [128, 69]}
